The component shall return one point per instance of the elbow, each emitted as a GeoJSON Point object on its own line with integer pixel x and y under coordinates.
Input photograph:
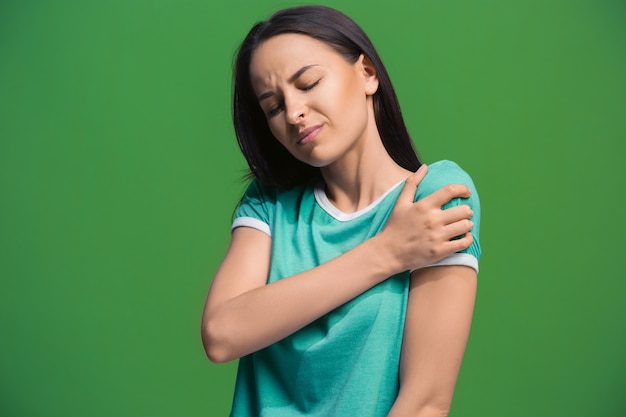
{"type": "Point", "coordinates": [423, 407]}
{"type": "Point", "coordinates": [441, 412]}
{"type": "Point", "coordinates": [215, 343]}
{"type": "Point", "coordinates": [434, 410]}
{"type": "Point", "coordinates": [215, 355]}
{"type": "Point", "coordinates": [436, 406]}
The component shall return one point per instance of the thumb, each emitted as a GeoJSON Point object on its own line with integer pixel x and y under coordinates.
{"type": "Point", "coordinates": [408, 192]}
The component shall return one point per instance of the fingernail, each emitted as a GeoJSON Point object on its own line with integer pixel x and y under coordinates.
{"type": "Point", "coordinates": [421, 168]}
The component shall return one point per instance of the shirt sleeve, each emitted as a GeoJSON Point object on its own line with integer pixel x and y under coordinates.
{"type": "Point", "coordinates": [439, 175]}
{"type": "Point", "coordinates": [255, 208]}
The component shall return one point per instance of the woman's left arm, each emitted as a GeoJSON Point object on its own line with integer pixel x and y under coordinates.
{"type": "Point", "coordinates": [438, 319]}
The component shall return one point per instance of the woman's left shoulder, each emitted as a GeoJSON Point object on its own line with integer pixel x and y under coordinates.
{"type": "Point", "coordinates": [442, 173]}
{"type": "Point", "coordinates": [447, 171]}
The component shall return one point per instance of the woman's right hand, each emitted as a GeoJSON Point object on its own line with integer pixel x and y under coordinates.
{"type": "Point", "coordinates": [420, 233]}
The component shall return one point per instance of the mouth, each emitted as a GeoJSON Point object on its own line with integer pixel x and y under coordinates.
{"type": "Point", "coordinates": [307, 135]}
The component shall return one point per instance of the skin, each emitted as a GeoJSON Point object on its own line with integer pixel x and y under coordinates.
{"type": "Point", "coordinates": [319, 106]}
{"type": "Point", "coordinates": [348, 148]}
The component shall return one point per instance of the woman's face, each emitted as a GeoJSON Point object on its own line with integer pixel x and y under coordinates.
{"type": "Point", "coordinates": [317, 105]}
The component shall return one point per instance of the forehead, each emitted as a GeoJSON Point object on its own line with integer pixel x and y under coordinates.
{"type": "Point", "coordinates": [281, 56]}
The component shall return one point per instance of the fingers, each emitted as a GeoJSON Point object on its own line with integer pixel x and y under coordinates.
{"type": "Point", "coordinates": [408, 192]}
{"type": "Point", "coordinates": [456, 213]}
{"type": "Point", "coordinates": [457, 245]}
{"type": "Point", "coordinates": [446, 193]}
{"type": "Point", "coordinates": [457, 229]}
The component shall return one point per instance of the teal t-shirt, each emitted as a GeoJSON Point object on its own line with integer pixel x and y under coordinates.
{"type": "Point", "coordinates": [346, 362]}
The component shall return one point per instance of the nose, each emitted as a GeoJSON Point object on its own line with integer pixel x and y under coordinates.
{"type": "Point", "coordinates": [296, 109]}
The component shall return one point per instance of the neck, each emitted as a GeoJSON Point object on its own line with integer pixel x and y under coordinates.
{"type": "Point", "coordinates": [362, 175]}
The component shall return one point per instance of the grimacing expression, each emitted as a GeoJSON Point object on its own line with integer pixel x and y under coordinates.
{"type": "Point", "coordinates": [317, 105]}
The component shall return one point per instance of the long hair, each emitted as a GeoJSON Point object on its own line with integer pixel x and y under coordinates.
{"type": "Point", "coordinates": [269, 161]}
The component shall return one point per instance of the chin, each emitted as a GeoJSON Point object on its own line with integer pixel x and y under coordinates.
{"type": "Point", "coordinates": [316, 158]}
{"type": "Point", "coordinates": [318, 162]}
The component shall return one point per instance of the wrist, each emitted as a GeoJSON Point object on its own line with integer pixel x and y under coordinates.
{"type": "Point", "coordinates": [381, 254]}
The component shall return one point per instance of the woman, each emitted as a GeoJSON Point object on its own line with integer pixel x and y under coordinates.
{"type": "Point", "coordinates": [347, 289]}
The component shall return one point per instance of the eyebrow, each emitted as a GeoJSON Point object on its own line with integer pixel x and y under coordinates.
{"type": "Point", "coordinates": [291, 79]}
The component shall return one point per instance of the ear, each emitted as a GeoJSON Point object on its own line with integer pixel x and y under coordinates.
{"type": "Point", "coordinates": [369, 73]}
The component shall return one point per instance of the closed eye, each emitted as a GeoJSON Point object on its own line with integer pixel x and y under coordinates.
{"type": "Point", "coordinates": [311, 86]}
{"type": "Point", "coordinates": [274, 110]}
{"type": "Point", "coordinates": [277, 109]}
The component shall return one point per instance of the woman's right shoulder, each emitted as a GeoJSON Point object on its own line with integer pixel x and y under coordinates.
{"type": "Point", "coordinates": [269, 193]}
{"type": "Point", "coordinates": [262, 202]}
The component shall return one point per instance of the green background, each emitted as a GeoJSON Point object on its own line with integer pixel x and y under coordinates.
{"type": "Point", "coordinates": [119, 173]}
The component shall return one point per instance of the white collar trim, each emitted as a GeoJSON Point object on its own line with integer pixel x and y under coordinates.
{"type": "Point", "coordinates": [328, 207]}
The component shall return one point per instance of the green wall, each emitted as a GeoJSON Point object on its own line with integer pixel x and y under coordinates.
{"type": "Point", "coordinates": [119, 173]}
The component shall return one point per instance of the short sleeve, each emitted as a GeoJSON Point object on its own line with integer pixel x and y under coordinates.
{"type": "Point", "coordinates": [255, 208]}
{"type": "Point", "coordinates": [439, 175]}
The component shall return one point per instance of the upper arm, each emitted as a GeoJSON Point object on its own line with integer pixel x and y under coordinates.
{"type": "Point", "coordinates": [246, 263]}
{"type": "Point", "coordinates": [438, 319]}
{"type": "Point", "coordinates": [440, 308]}
{"type": "Point", "coordinates": [244, 267]}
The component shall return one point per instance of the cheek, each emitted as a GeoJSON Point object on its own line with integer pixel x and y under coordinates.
{"type": "Point", "coordinates": [349, 96]}
{"type": "Point", "coordinates": [351, 107]}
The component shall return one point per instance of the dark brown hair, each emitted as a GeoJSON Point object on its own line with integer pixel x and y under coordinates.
{"type": "Point", "coordinates": [268, 160]}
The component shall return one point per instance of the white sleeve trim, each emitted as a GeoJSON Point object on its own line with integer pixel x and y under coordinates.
{"type": "Point", "coordinates": [253, 223]}
{"type": "Point", "coordinates": [458, 259]}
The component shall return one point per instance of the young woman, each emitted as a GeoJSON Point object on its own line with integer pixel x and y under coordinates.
{"type": "Point", "coordinates": [349, 284]}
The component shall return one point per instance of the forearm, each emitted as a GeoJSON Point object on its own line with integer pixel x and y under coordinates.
{"type": "Point", "coordinates": [244, 314]}
{"type": "Point", "coordinates": [263, 315]}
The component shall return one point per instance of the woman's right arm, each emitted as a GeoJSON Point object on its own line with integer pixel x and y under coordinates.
{"type": "Point", "coordinates": [243, 314]}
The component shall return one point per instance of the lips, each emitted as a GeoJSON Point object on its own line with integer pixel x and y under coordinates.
{"type": "Point", "coordinates": [308, 134]}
